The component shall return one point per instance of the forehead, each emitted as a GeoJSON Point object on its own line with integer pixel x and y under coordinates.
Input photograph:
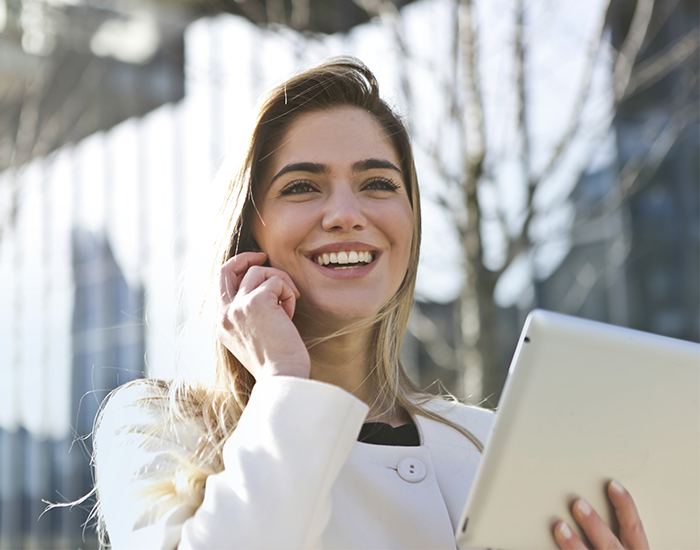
{"type": "Point", "coordinates": [337, 137]}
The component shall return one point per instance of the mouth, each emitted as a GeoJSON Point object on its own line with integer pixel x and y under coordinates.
{"type": "Point", "coordinates": [344, 259]}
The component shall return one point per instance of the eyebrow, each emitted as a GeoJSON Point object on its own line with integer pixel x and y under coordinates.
{"type": "Point", "coordinates": [311, 167]}
{"type": "Point", "coordinates": [318, 168]}
{"type": "Point", "coordinates": [370, 164]}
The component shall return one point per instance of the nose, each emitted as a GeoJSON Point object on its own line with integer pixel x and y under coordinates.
{"type": "Point", "coordinates": [343, 211]}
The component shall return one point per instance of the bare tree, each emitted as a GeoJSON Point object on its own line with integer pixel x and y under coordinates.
{"type": "Point", "coordinates": [479, 352]}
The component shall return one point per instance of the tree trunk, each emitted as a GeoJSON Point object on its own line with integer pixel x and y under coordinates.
{"type": "Point", "coordinates": [479, 352]}
{"type": "Point", "coordinates": [477, 309]}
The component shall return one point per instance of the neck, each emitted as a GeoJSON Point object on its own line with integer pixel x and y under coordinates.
{"type": "Point", "coordinates": [341, 355]}
{"type": "Point", "coordinates": [345, 361]}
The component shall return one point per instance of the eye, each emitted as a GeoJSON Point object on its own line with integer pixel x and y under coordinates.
{"type": "Point", "coordinates": [298, 187]}
{"type": "Point", "coordinates": [382, 184]}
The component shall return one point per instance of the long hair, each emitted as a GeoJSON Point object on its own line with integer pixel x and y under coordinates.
{"type": "Point", "coordinates": [217, 405]}
{"type": "Point", "coordinates": [339, 82]}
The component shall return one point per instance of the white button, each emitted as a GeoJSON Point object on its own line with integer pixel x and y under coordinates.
{"type": "Point", "coordinates": [412, 470]}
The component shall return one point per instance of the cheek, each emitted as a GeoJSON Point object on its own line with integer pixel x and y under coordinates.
{"type": "Point", "coordinates": [260, 233]}
{"type": "Point", "coordinates": [277, 234]}
{"type": "Point", "coordinates": [401, 236]}
{"type": "Point", "coordinates": [402, 228]}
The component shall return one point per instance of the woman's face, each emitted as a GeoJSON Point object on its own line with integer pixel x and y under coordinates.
{"type": "Point", "coordinates": [335, 214]}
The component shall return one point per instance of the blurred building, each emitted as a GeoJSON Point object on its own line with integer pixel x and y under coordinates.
{"type": "Point", "coordinates": [72, 325]}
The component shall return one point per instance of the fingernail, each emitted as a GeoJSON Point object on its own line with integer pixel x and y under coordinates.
{"type": "Point", "coordinates": [564, 530]}
{"type": "Point", "coordinates": [583, 507]}
{"type": "Point", "coordinates": [617, 487]}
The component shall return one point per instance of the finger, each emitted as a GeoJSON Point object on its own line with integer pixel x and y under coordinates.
{"type": "Point", "coordinates": [566, 538]}
{"type": "Point", "coordinates": [239, 264]}
{"type": "Point", "coordinates": [256, 276]}
{"type": "Point", "coordinates": [233, 270]}
{"type": "Point", "coordinates": [283, 294]}
{"type": "Point", "coordinates": [228, 286]}
{"type": "Point", "coordinates": [594, 527]}
{"type": "Point", "coordinates": [632, 533]}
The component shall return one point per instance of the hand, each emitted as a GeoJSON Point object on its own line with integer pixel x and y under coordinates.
{"type": "Point", "coordinates": [256, 306]}
{"type": "Point", "coordinates": [632, 536]}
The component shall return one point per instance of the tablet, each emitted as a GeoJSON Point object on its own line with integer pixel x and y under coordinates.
{"type": "Point", "coordinates": [584, 403]}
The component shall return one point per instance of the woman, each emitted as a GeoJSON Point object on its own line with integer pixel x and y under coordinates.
{"type": "Point", "coordinates": [315, 275]}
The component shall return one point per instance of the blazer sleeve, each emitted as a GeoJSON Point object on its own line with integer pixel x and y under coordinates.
{"type": "Point", "coordinates": [280, 465]}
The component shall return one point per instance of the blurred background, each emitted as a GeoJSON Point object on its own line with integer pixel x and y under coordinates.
{"type": "Point", "coordinates": [556, 144]}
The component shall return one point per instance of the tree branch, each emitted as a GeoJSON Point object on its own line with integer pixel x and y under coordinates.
{"type": "Point", "coordinates": [473, 104]}
{"type": "Point", "coordinates": [521, 96]}
{"type": "Point", "coordinates": [639, 169]}
{"type": "Point", "coordinates": [631, 46]}
{"type": "Point", "coordinates": [647, 163]}
{"type": "Point", "coordinates": [654, 69]}
{"type": "Point", "coordinates": [588, 276]}
{"type": "Point", "coordinates": [476, 139]}
{"type": "Point", "coordinates": [575, 117]}
{"type": "Point", "coordinates": [522, 242]}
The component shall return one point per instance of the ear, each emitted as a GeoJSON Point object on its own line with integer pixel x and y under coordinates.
{"type": "Point", "coordinates": [254, 246]}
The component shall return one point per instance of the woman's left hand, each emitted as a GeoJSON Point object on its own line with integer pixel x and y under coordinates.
{"type": "Point", "coordinates": [631, 536]}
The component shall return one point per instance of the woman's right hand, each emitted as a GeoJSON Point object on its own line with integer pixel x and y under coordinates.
{"type": "Point", "coordinates": [256, 306]}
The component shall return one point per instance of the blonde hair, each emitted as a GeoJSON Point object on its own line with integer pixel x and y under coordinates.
{"type": "Point", "coordinates": [218, 404]}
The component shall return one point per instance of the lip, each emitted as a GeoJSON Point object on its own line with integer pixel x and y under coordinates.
{"type": "Point", "coordinates": [350, 273]}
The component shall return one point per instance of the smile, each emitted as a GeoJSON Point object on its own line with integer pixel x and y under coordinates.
{"type": "Point", "coordinates": [344, 259]}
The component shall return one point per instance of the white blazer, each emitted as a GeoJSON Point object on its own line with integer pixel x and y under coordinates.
{"type": "Point", "coordinates": [295, 475]}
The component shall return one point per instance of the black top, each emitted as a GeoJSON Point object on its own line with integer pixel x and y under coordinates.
{"type": "Point", "coordinates": [379, 433]}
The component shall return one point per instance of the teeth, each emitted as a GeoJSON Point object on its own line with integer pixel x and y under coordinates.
{"type": "Point", "coordinates": [343, 258]}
